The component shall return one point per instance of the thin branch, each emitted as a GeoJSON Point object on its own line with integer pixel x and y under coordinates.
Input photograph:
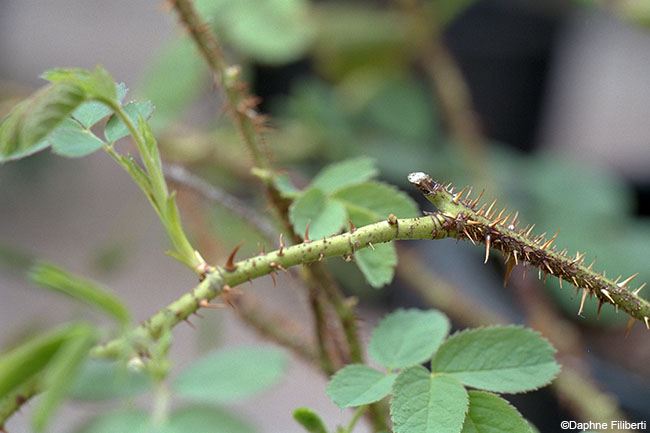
{"type": "Point", "coordinates": [181, 176]}
{"type": "Point", "coordinates": [428, 227]}
{"type": "Point", "coordinates": [439, 293]}
{"type": "Point", "coordinates": [520, 247]}
{"type": "Point", "coordinates": [276, 328]}
{"type": "Point", "coordinates": [240, 102]}
{"type": "Point", "coordinates": [249, 122]}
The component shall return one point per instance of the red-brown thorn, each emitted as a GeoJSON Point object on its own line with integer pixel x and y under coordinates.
{"type": "Point", "coordinates": [230, 265]}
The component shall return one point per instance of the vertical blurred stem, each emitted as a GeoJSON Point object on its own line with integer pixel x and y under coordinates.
{"type": "Point", "coordinates": [227, 76]}
{"type": "Point", "coordinates": [450, 87]}
{"type": "Point", "coordinates": [247, 120]}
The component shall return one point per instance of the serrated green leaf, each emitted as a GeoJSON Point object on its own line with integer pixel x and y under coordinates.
{"type": "Point", "coordinates": [88, 292]}
{"type": "Point", "coordinates": [199, 419]}
{"type": "Point", "coordinates": [346, 173]}
{"type": "Point", "coordinates": [74, 142]}
{"type": "Point", "coordinates": [125, 420]}
{"type": "Point", "coordinates": [61, 371]}
{"type": "Point", "coordinates": [23, 131]}
{"type": "Point", "coordinates": [325, 217]}
{"type": "Point", "coordinates": [104, 380]}
{"type": "Point", "coordinates": [92, 112]}
{"type": "Point", "coordinates": [269, 31]}
{"type": "Point", "coordinates": [377, 264]}
{"type": "Point", "coordinates": [309, 420]}
{"type": "Point", "coordinates": [23, 362]}
{"type": "Point", "coordinates": [232, 375]}
{"type": "Point", "coordinates": [489, 413]}
{"type": "Point", "coordinates": [501, 359]}
{"type": "Point", "coordinates": [98, 84]}
{"type": "Point", "coordinates": [426, 403]}
{"type": "Point", "coordinates": [407, 337]}
{"type": "Point", "coordinates": [369, 202]}
{"type": "Point", "coordinates": [116, 129]}
{"type": "Point", "coordinates": [357, 384]}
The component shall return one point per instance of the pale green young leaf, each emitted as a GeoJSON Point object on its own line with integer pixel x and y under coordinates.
{"type": "Point", "coordinates": [123, 420]}
{"type": "Point", "coordinates": [88, 292]}
{"type": "Point", "coordinates": [370, 202]}
{"type": "Point", "coordinates": [174, 80]}
{"type": "Point", "coordinates": [325, 217]}
{"type": "Point", "coordinates": [407, 337]}
{"type": "Point", "coordinates": [200, 419]}
{"type": "Point", "coordinates": [357, 384]}
{"type": "Point", "coordinates": [309, 420]}
{"type": "Point", "coordinates": [23, 362]}
{"type": "Point", "coordinates": [283, 184]}
{"type": "Point", "coordinates": [91, 112]}
{"type": "Point", "coordinates": [502, 359]}
{"type": "Point", "coordinates": [98, 84]}
{"type": "Point", "coordinates": [427, 403]}
{"type": "Point", "coordinates": [232, 375]}
{"type": "Point", "coordinates": [104, 380]}
{"type": "Point", "coordinates": [61, 371]}
{"type": "Point", "coordinates": [22, 131]}
{"type": "Point", "coordinates": [377, 263]}
{"type": "Point", "coordinates": [489, 413]}
{"type": "Point", "coordinates": [346, 173]}
{"type": "Point", "coordinates": [116, 129]}
{"type": "Point", "coordinates": [269, 31]}
{"type": "Point", "coordinates": [74, 142]}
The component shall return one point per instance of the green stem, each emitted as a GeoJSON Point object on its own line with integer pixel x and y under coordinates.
{"type": "Point", "coordinates": [357, 414]}
{"type": "Point", "coordinates": [427, 227]}
{"type": "Point", "coordinates": [239, 101]}
{"type": "Point", "coordinates": [163, 203]}
{"type": "Point", "coordinates": [519, 246]}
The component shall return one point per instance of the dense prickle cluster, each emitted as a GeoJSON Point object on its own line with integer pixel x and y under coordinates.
{"type": "Point", "coordinates": [501, 231]}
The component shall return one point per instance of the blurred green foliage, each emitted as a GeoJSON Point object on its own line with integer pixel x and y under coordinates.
{"type": "Point", "coordinates": [367, 94]}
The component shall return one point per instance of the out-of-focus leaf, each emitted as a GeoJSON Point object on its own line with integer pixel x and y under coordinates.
{"type": "Point", "coordinates": [52, 277]}
{"type": "Point", "coordinates": [357, 384]}
{"type": "Point", "coordinates": [370, 202]}
{"type": "Point", "coordinates": [448, 10]}
{"type": "Point", "coordinates": [22, 132]}
{"type": "Point", "coordinates": [325, 217]}
{"type": "Point", "coordinates": [199, 419]}
{"type": "Point", "coordinates": [345, 173]}
{"type": "Point", "coordinates": [124, 420]}
{"type": "Point", "coordinates": [23, 362]}
{"type": "Point", "coordinates": [104, 380]}
{"type": "Point", "coordinates": [175, 79]}
{"type": "Point", "coordinates": [96, 84]}
{"type": "Point", "coordinates": [61, 371]}
{"type": "Point", "coordinates": [309, 420]}
{"type": "Point", "coordinates": [232, 375]}
{"type": "Point", "coordinates": [269, 31]}
{"type": "Point", "coordinates": [352, 37]}
{"type": "Point", "coordinates": [402, 107]}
